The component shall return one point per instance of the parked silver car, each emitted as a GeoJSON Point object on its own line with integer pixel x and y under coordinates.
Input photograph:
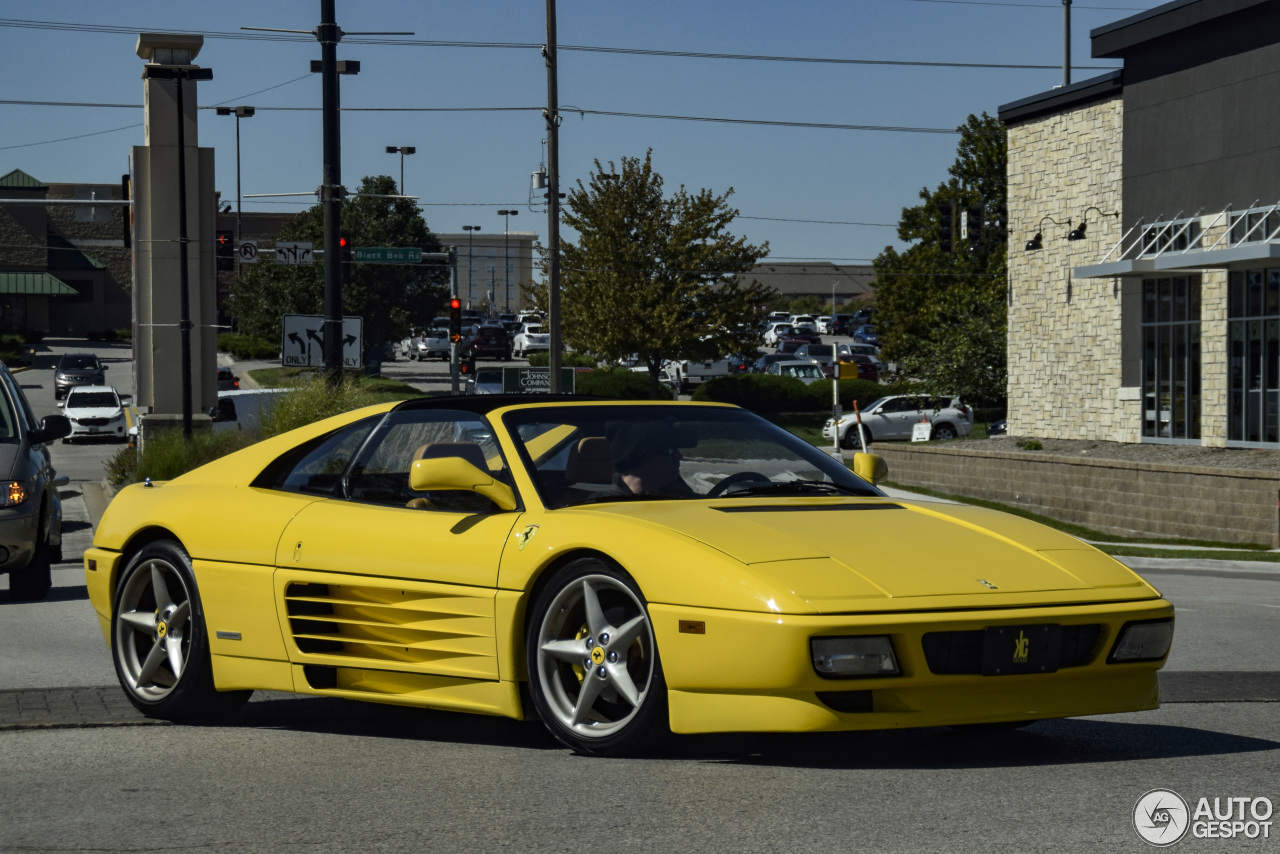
{"type": "Point", "coordinates": [895, 417]}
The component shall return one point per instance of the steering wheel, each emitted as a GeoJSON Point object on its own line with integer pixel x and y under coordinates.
{"type": "Point", "coordinates": [739, 479]}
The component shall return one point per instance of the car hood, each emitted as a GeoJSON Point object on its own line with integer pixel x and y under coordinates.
{"type": "Point", "coordinates": [79, 372]}
{"type": "Point", "coordinates": [93, 412]}
{"type": "Point", "coordinates": [881, 554]}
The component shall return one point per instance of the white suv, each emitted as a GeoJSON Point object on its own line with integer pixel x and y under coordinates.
{"type": "Point", "coordinates": [895, 417]}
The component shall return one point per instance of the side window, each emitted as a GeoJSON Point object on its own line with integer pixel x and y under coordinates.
{"type": "Point", "coordinates": [316, 468]}
{"type": "Point", "coordinates": [381, 474]}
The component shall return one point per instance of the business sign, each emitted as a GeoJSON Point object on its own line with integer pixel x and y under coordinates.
{"type": "Point", "coordinates": [302, 341]}
{"type": "Point", "coordinates": [535, 380]}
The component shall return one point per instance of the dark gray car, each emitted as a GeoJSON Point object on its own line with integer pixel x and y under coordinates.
{"type": "Point", "coordinates": [77, 369]}
{"type": "Point", "coordinates": [30, 512]}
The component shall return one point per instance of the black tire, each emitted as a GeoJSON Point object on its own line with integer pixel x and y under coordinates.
{"type": "Point", "coordinates": [944, 431]}
{"type": "Point", "coordinates": [850, 440]}
{"type": "Point", "coordinates": [160, 644]}
{"type": "Point", "coordinates": [32, 582]}
{"type": "Point", "coordinates": [611, 723]}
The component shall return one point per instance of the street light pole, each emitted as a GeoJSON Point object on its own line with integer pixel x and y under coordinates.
{"type": "Point", "coordinates": [403, 149]}
{"type": "Point", "coordinates": [239, 113]}
{"type": "Point", "coordinates": [506, 253]}
{"type": "Point", "coordinates": [552, 115]}
{"type": "Point", "coordinates": [470, 230]}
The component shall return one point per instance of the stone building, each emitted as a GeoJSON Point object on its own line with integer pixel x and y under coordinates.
{"type": "Point", "coordinates": [1144, 254]}
{"type": "Point", "coordinates": [64, 268]}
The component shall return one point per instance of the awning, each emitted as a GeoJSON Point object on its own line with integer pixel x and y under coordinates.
{"type": "Point", "coordinates": [35, 284]}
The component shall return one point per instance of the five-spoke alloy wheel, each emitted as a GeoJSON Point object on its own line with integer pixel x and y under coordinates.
{"type": "Point", "coordinates": [593, 662]}
{"type": "Point", "coordinates": [160, 647]}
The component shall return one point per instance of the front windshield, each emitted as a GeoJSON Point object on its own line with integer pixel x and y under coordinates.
{"type": "Point", "coordinates": [589, 454]}
{"type": "Point", "coordinates": [92, 400]}
{"type": "Point", "coordinates": [78, 363]}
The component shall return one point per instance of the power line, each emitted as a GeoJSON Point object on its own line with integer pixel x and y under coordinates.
{"type": "Point", "coordinates": [1054, 6]}
{"type": "Point", "coordinates": [759, 122]}
{"type": "Point", "coordinates": [819, 221]}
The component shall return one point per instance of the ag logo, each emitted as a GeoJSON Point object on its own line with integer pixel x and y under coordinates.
{"type": "Point", "coordinates": [1161, 817]}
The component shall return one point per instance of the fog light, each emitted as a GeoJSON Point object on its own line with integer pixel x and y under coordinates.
{"type": "Point", "coordinates": [1146, 641]}
{"type": "Point", "coordinates": [836, 658]}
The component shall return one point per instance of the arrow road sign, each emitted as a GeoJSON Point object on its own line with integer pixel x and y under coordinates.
{"type": "Point", "coordinates": [303, 341]}
{"type": "Point", "coordinates": [294, 253]}
{"type": "Point", "coordinates": [248, 251]}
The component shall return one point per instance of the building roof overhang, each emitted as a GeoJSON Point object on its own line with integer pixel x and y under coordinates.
{"type": "Point", "coordinates": [1243, 257]}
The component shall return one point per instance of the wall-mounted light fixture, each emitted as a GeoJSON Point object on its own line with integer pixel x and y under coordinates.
{"type": "Point", "coordinates": [1077, 233]}
{"type": "Point", "coordinates": [1036, 243]}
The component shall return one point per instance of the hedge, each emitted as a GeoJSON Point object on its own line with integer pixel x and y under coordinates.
{"type": "Point", "coordinates": [617, 382]}
{"type": "Point", "coordinates": [244, 347]}
{"type": "Point", "coordinates": [567, 360]}
{"type": "Point", "coordinates": [769, 393]}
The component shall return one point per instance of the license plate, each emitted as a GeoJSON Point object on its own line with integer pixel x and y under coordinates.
{"type": "Point", "coordinates": [1012, 650]}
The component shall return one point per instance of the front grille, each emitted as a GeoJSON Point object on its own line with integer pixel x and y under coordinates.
{"type": "Point", "coordinates": [392, 628]}
{"type": "Point", "coordinates": [94, 422]}
{"type": "Point", "coordinates": [956, 653]}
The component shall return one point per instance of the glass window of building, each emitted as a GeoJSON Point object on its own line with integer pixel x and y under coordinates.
{"type": "Point", "coordinates": [1171, 359]}
{"type": "Point", "coordinates": [1253, 370]}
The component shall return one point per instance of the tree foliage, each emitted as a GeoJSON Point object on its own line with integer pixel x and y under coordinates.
{"type": "Point", "coordinates": [941, 316]}
{"type": "Point", "coordinates": [389, 297]}
{"type": "Point", "coordinates": [652, 276]}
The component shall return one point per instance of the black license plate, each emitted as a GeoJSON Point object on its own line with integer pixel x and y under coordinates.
{"type": "Point", "coordinates": [1012, 650]}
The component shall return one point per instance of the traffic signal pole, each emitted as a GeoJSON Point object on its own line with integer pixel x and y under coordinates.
{"type": "Point", "coordinates": [329, 35]}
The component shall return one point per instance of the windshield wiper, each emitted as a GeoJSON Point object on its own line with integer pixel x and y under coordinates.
{"type": "Point", "coordinates": [803, 486]}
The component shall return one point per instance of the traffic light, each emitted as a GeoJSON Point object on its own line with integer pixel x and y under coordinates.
{"type": "Point", "coordinates": [973, 218]}
{"type": "Point", "coordinates": [344, 256]}
{"type": "Point", "coordinates": [455, 320]}
{"type": "Point", "coordinates": [945, 226]}
{"type": "Point", "coordinates": [225, 250]}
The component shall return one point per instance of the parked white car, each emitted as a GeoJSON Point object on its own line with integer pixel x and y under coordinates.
{"type": "Point", "coordinates": [244, 409]}
{"type": "Point", "coordinates": [805, 371]}
{"type": "Point", "coordinates": [776, 332]}
{"type": "Point", "coordinates": [94, 411]}
{"type": "Point", "coordinates": [530, 339]}
{"type": "Point", "coordinates": [895, 417]}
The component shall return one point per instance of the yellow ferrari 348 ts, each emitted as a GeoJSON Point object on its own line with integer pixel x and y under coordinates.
{"type": "Point", "coordinates": [619, 570]}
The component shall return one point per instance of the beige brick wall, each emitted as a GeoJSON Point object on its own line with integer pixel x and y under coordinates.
{"type": "Point", "coordinates": [1125, 499]}
{"type": "Point", "coordinates": [1064, 334]}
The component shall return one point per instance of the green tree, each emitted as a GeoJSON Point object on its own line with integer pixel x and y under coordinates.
{"type": "Point", "coordinates": [652, 276]}
{"type": "Point", "coordinates": [390, 297]}
{"type": "Point", "coordinates": [942, 316]}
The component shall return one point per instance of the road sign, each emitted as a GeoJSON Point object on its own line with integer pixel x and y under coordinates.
{"type": "Point", "coordinates": [248, 251]}
{"type": "Point", "coordinates": [294, 253]}
{"type": "Point", "coordinates": [302, 342]}
{"type": "Point", "coordinates": [386, 255]}
{"type": "Point", "coordinates": [535, 380]}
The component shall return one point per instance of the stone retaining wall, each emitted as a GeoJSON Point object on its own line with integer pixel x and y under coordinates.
{"type": "Point", "coordinates": [1113, 496]}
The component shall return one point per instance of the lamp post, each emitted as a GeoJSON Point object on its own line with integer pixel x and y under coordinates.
{"type": "Point", "coordinates": [470, 230]}
{"type": "Point", "coordinates": [239, 113]}
{"type": "Point", "coordinates": [402, 150]}
{"type": "Point", "coordinates": [506, 254]}
{"type": "Point", "coordinates": [180, 74]}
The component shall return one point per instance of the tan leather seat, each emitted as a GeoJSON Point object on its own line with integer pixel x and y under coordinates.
{"type": "Point", "coordinates": [590, 461]}
{"type": "Point", "coordinates": [469, 451]}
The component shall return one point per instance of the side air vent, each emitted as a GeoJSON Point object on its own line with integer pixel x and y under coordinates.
{"type": "Point", "coordinates": [414, 630]}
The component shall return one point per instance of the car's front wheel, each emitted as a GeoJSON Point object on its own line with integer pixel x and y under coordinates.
{"type": "Point", "coordinates": [849, 441]}
{"type": "Point", "coordinates": [160, 643]}
{"type": "Point", "coordinates": [593, 664]}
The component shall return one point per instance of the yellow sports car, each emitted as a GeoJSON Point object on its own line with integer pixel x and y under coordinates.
{"type": "Point", "coordinates": [619, 570]}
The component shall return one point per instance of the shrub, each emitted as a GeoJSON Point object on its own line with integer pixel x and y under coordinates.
{"type": "Point", "coordinates": [244, 347]}
{"type": "Point", "coordinates": [314, 400]}
{"type": "Point", "coordinates": [769, 393]}
{"type": "Point", "coordinates": [567, 360]}
{"type": "Point", "coordinates": [167, 455]}
{"type": "Point", "coordinates": [617, 382]}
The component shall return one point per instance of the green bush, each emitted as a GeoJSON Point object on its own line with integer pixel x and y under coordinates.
{"type": "Point", "coordinates": [244, 347]}
{"type": "Point", "coordinates": [314, 400]}
{"type": "Point", "coordinates": [567, 360]}
{"type": "Point", "coordinates": [617, 382]}
{"type": "Point", "coordinates": [769, 393]}
{"type": "Point", "coordinates": [124, 334]}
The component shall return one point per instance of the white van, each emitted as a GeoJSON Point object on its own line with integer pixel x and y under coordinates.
{"type": "Point", "coordinates": [244, 409]}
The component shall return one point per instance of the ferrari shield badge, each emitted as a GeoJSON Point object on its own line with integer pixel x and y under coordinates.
{"type": "Point", "coordinates": [523, 538]}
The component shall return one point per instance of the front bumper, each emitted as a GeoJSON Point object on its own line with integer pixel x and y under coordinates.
{"type": "Point", "coordinates": [114, 428]}
{"type": "Point", "coordinates": [754, 672]}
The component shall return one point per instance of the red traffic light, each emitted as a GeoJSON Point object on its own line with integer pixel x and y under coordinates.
{"type": "Point", "coordinates": [455, 303]}
{"type": "Point", "coordinates": [224, 238]}
{"type": "Point", "coordinates": [342, 242]}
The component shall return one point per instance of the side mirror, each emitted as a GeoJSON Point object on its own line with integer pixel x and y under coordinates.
{"type": "Point", "coordinates": [51, 427]}
{"type": "Point", "coordinates": [456, 473]}
{"type": "Point", "coordinates": [870, 467]}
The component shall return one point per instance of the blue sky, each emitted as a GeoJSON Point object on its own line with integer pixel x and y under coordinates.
{"type": "Point", "coordinates": [470, 164]}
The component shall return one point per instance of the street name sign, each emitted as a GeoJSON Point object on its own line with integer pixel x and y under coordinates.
{"type": "Point", "coordinates": [535, 380]}
{"type": "Point", "coordinates": [386, 255]}
{"type": "Point", "coordinates": [302, 341]}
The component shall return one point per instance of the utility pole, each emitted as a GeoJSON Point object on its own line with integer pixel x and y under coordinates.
{"type": "Point", "coordinates": [331, 190]}
{"type": "Point", "coordinates": [1066, 42]}
{"type": "Point", "coordinates": [553, 201]}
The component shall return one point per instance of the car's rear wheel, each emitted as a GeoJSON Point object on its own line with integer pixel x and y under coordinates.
{"type": "Point", "coordinates": [593, 664]}
{"type": "Point", "coordinates": [944, 431]}
{"type": "Point", "coordinates": [160, 642]}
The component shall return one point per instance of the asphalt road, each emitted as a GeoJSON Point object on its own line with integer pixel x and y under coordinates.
{"type": "Point", "coordinates": [81, 771]}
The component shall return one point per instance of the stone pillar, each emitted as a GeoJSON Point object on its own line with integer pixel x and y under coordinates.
{"type": "Point", "coordinates": [156, 292]}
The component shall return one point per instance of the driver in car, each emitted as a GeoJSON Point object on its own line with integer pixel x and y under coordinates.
{"type": "Point", "coordinates": [646, 458]}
